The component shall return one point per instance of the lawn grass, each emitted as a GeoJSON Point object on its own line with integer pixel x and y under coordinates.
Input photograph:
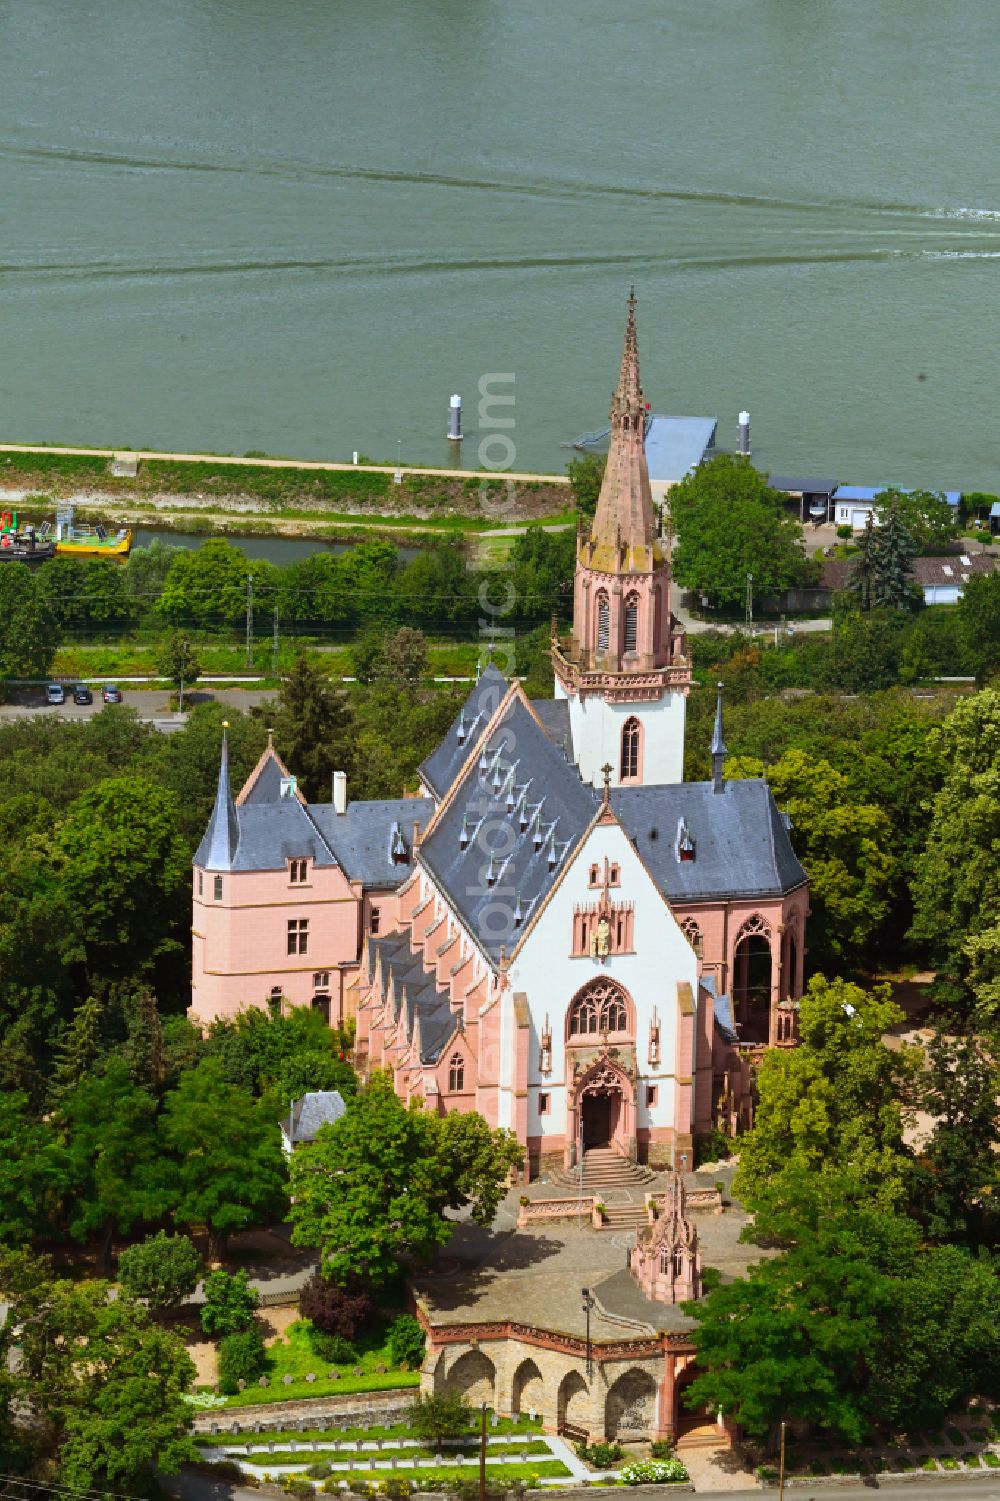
{"type": "Point", "coordinates": [138, 658]}
{"type": "Point", "coordinates": [261, 1396]}
{"type": "Point", "coordinates": [440, 1476]}
{"type": "Point", "coordinates": [301, 1458]}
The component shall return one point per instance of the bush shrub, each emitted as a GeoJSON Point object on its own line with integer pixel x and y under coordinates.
{"type": "Point", "coordinates": [319, 1471]}
{"type": "Point", "coordinates": [230, 1304]}
{"type": "Point", "coordinates": [845, 532]}
{"type": "Point", "coordinates": [334, 1309]}
{"type": "Point", "coordinates": [162, 1270]}
{"type": "Point", "coordinates": [297, 1485]}
{"type": "Point", "coordinates": [406, 1342]}
{"type": "Point", "coordinates": [601, 1455]}
{"type": "Point", "coordinates": [242, 1357]}
{"type": "Point", "coordinates": [333, 1348]}
{"type": "Point", "coordinates": [654, 1472]}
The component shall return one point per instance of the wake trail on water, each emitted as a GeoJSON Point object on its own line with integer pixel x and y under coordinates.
{"type": "Point", "coordinates": [375, 267]}
{"type": "Point", "coordinates": [545, 188]}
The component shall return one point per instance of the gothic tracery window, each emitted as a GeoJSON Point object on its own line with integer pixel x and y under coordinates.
{"type": "Point", "coordinates": [631, 732]}
{"type": "Point", "coordinates": [456, 1074]}
{"type": "Point", "coordinates": [692, 933]}
{"type": "Point", "coordinates": [599, 1008]}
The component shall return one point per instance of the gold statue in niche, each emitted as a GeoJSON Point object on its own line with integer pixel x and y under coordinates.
{"type": "Point", "coordinates": [600, 939]}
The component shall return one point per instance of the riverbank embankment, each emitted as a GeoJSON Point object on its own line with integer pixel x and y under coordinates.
{"type": "Point", "coordinates": [257, 495]}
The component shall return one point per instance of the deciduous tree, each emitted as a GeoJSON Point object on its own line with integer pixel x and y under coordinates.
{"type": "Point", "coordinates": [179, 663]}
{"type": "Point", "coordinates": [372, 1189]}
{"type": "Point", "coordinates": [161, 1270]}
{"type": "Point", "coordinates": [227, 1171]}
{"type": "Point", "coordinates": [728, 525]}
{"type": "Point", "coordinates": [29, 632]}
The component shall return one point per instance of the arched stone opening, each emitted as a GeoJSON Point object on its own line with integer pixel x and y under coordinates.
{"type": "Point", "coordinates": [526, 1389]}
{"type": "Point", "coordinates": [630, 1408]}
{"type": "Point", "coordinates": [686, 1418]}
{"type": "Point", "coordinates": [753, 964]}
{"type": "Point", "coordinates": [321, 1003]}
{"type": "Point", "coordinates": [473, 1376]}
{"type": "Point", "coordinates": [790, 969]}
{"type": "Point", "coordinates": [602, 1113]}
{"type": "Point", "coordinates": [573, 1403]}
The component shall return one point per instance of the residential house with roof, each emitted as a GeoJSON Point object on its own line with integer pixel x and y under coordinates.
{"type": "Point", "coordinates": [560, 932]}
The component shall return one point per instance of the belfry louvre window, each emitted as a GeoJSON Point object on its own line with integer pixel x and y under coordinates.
{"type": "Point", "coordinates": [603, 622]}
{"type": "Point", "coordinates": [298, 935]}
{"type": "Point", "coordinates": [632, 623]}
{"type": "Point", "coordinates": [630, 749]}
{"type": "Point", "coordinates": [456, 1074]}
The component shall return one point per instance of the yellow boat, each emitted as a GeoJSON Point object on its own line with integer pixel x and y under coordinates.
{"type": "Point", "coordinates": [89, 541]}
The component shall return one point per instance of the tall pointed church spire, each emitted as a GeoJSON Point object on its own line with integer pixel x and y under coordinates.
{"type": "Point", "coordinates": [218, 846]}
{"type": "Point", "coordinates": [625, 513]}
{"type": "Point", "coordinates": [718, 746]}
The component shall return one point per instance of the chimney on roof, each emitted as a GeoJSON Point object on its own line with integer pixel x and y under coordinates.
{"type": "Point", "coordinates": [718, 747]}
{"type": "Point", "coordinates": [340, 791]}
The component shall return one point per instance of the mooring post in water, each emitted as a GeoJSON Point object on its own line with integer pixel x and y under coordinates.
{"type": "Point", "coordinates": [455, 419]}
{"type": "Point", "coordinates": [743, 435]}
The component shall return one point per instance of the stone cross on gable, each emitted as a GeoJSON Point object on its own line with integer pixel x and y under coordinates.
{"type": "Point", "coordinates": [607, 769]}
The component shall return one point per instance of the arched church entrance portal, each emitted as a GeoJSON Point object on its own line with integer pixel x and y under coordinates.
{"type": "Point", "coordinates": [601, 1117]}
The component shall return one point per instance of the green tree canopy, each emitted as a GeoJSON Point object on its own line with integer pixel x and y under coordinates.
{"type": "Point", "coordinates": [844, 846]}
{"type": "Point", "coordinates": [207, 585]}
{"type": "Point", "coordinates": [113, 1155]}
{"type": "Point", "coordinates": [586, 474]}
{"type": "Point", "coordinates": [34, 1172]}
{"type": "Point", "coordinates": [373, 1187]}
{"type": "Point", "coordinates": [125, 870]}
{"type": "Point", "coordinates": [835, 1101]}
{"type": "Point", "coordinates": [956, 896]}
{"type": "Point", "coordinates": [161, 1270]}
{"type": "Point", "coordinates": [83, 592]}
{"type": "Point", "coordinates": [728, 525]}
{"type": "Point", "coordinates": [230, 1304]}
{"type": "Point", "coordinates": [313, 727]}
{"type": "Point", "coordinates": [978, 619]}
{"type": "Point", "coordinates": [959, 1188]}
{"type": "Point", "coordinates": [29, 632]}
{"type": "Point", "coordinates": [178, 661]}
{"type": "Point", "coordinates": [226, 1171]}
{"type": "Point", "coordinates": [929, 521]}
{"type": "Point", "coordinates": [104, 1385]}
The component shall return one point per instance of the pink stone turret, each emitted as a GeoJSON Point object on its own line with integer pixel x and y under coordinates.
{"type": "Point", "coordinates": [666, 1263]}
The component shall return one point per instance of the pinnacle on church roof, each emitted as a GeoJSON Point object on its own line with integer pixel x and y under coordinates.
{"type": "Point", "coordinates": [218, 846]}
{"type": "Point", "coordinates": [625, 519]}
{"type": "Point", "coordinates": [718, 745]}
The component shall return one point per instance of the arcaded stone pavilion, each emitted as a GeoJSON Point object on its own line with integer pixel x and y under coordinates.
{"type": "Point", "coordinates": [560, 932]}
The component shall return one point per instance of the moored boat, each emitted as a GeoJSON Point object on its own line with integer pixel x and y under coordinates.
{"type": "Point", "coordinates": [23, 544]}
{"type": "Point", "coordinates": [89, 541]}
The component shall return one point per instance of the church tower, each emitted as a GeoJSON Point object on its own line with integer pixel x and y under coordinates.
{"type": "Point", "coordinates": [625, 669]}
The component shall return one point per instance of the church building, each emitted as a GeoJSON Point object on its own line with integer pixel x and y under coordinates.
{"type": "Point", "coordinates": [560, 932]}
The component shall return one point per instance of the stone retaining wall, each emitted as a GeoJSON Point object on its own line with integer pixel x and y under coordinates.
{"type": "Point", "coordinates": [352, 1409]}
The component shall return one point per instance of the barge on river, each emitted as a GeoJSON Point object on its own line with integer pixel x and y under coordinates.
{"type": "Point", "coordinates": [89, 541]}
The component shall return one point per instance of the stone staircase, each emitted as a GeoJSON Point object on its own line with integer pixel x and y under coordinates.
{"type": "Point", "coordinates": [604, 1169]}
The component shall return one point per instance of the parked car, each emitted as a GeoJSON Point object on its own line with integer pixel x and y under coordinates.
{"type": "Point", "coordinates": [82, 694]}
{"type": "Point", "coordinates": [111, 694]}
{"type": "Point", "coordinates": [55, 693]}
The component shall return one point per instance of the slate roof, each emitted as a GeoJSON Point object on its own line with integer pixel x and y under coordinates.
{"type": "Point", "coordinates": [418, 999]}
{"type": "Point", "coordinates": [528, 803]}
{"type": "Point", "coordinates": [318, 1108]}
{"type": "Point", "coordinates": [219, 841]}
{"type": "Point", "coordinates": [554, 714]}
{"type": "Point", "coordinates": [363, 838]}
{"type": "Point", "coordinates": [442, 766]}
{"type": "Point", "coordinates": [741, 843]}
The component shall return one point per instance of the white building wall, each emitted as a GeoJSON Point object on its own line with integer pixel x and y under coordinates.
{"type": "Point", "coordinates": [548, 974]}
{"type": "Point", "coordinates": [597, 736]}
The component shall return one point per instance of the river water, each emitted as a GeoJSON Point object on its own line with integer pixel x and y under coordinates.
{"type": "Point", "coordinates": [297, 227]}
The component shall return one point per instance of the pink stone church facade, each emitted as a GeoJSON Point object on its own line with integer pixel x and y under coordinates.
{"type": "Point", "coordinates": [559, 932]}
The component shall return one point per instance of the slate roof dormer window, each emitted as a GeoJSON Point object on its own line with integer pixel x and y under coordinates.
{"type": "Point", "coordinates": [298, 871]}
{"type": "Point", "coordinates": [685, 844]}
